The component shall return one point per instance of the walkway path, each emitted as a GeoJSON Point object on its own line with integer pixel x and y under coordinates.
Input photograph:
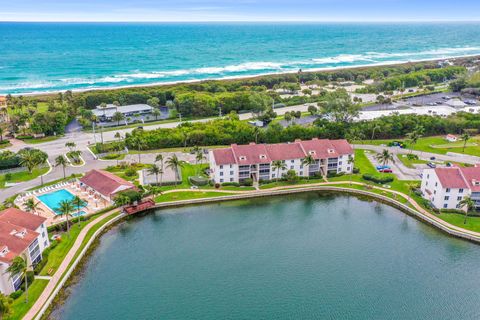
{"type": "Point", "coordinates": [55, 279]}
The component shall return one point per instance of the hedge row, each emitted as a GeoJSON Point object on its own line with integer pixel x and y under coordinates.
{"type": "Point", "coordinates": [377, 179]}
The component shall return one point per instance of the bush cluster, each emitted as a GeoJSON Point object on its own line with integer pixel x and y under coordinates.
{"type": "Point", "coordinates": [377, 179]}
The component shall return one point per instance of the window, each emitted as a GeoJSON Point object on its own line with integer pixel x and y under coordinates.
{"type": "Point", "coordinates": [448, 189]}
{"type": "Point", "coordinates": [221, 180]}
{"type": "Point", "coordinates": [273, 175]}
{"type": "Point", "coordinates": [221, 173]}
{"type": "Point", "coordinates": [301, 167]}
{"type": "Point", "coordinates": [426, 184]}
{"type": "Point", "coordinates": [292, 161]}
{"type": "Point", "coordinates": [459, 198]}
{"type": "Point", "coordinates": [231, 179]}
{"type": "Point", "coordinates": [434, 191]}
{"type": "Point", "coordinates": [43, 234]}
{"type": "Point", "coordinates": [230, 166]}
{"type": "Point", "coordinates": [339, 163]}
{"type": "Point", "coordinates": [221, 166]}
{"type": "Point", "coordinates": [436, 184]}
{"type": "Point", "coordinates": [428, 176]}
{"type": "Point", "coordinates": [460, 190]}
{"type": "Point", "coordinates": [447, 198]}
{"type": "Point", "coordinates": [45, 243]}
{"type": "Point", "coordinates": [348, 168]}
{"type": "Point", "coordinates": [445, 205]}
{"type": "Point", "coordinates": [291, 167]}
{"type": "Point", "coordinates": [231, 173]}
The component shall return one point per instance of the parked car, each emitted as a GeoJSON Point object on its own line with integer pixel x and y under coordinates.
{"type": "Point", "coordinates": [386, 170]}
{"type": "Point", "coordinates": [382, 167]}
{"type": "Point", "coordinates": [431, 165]}
{"type": "Point", "coordinates": [449, 164]}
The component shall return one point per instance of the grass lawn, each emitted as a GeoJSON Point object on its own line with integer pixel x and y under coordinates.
{"type": "Point", "coordinates": [473, 222]}
{"type": "Point", "coordinates": [436, 144]}
{"type": "Point", "coordinates": [22, 176]}
{"type": "Point", "coordinates": [19, 307]}
{"type": "Point", "coordinates": [5, 145]}
{"type": "Point", "coordinates": [41, 140]}
{"type": "Point", "coordinates": [187, 195]}
{"type": "Point", "coordinates": [176, 149]}
{"type": "Point", "coordinates": [409, 163]}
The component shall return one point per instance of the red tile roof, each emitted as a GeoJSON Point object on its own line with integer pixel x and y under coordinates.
{"type": "Point", "coordinates": [105, 183]}
{"type": "Point", "coordinates": [472, 176]}
{"type": "Point", "coordinates": [22, 218]}
{"type": "Point", "coordinates": [285, 151]}
{"type": "Point", "coordinates": [451, 178]}
{"type": "Point", "coordinates": [266, 153]}
{"type": "Point", "coordinates": [17, 232]}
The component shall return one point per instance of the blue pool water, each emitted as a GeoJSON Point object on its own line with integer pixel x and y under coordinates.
{"type": "Point", "coordinates": [52, 200]}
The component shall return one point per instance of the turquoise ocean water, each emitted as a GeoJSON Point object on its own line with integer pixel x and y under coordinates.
{"type": "Point", "coordinates": [40, 57]}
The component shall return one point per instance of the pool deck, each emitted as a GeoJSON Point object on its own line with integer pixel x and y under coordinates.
{"type": "Point", "coordinates": [93, 205]}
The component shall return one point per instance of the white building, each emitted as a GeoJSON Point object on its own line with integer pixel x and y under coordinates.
{"type": "Point", "coordinates": [451, 138]}
{"type": "Point", "coordinates": [446, 187]}
{"type": "Point", "coordinates": [106, 114]}
{"type": "Point", "coordinates": [21, 234]}
{"type": "Point", "coordinates": [240, 162]}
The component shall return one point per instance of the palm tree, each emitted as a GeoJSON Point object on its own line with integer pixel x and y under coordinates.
{"type": "Point", "coordinates": [65, 209]}
{"type": "Point", "coordinates": [32, 158]}
{"type": "Point", "coordinates": [76, 155]}
{"type": "Point", "coordinates": [1, 133]}
{"type": "Point", "coordinates": [118, 116]}
{"type": "Point", "coordinates": [351, 161]}
{"type": "Point", "coordinates": [308, 161]}
{"type": "Point", "coordinates": [468, 204]}
{"type": "Point", "coordinates": [174, 163]}
{"type": "Point", "coordinates": [121, 200]}
{"type": "Point", "coordinates": [117, 136]}
{"type": "Point", "coordinates": [31, 205]}
{"type": "Point", "coordinates": [19, 267]}
{"type": "Point", "coordinates": [154, 169]}
{"type": "Point", "coordinates": [61, 161]}
{"type": "Point", "coordinates": [465, 138]}
{"type": "Point", "coordinates": [199, 158]}
{"type": "Point", "coordinates": [411, 186]}
{"type": "Point", "coordinates": [278, 165]}
{"type": "Point", "coordinates": [413, 138]}
{"type": "Point", "coordinates": [385, 157]}
{"type": "Point", "coordinates": [77, 202]}
{"type": "Point", "coordinates": [70, 145]}
{"type": "Point", "coordinates": [139, 144]}
{"type": "Point", "coordinates": [156, 113]}
{"type": "Point", "coordinates": [103, 106]}
{"type": "Point", "coordinates": [5, 306]}
{"type": "Point", "coordinates": [159, 157]}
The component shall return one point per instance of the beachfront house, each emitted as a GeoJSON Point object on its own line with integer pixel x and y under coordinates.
{"type": "Point", "coordinates": [21, 234]}
{"type": "Point", "coordinates": [255, 161]}
{"type": "Point", "coordinates": [446, 187]}
{"type": "Point", "coordinates": [104, 184]}
{"type": "Point", "coordinates": [106, 114]}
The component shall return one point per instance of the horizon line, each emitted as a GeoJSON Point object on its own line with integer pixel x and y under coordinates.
{"type": "Point", "coordinates": [248, 21]}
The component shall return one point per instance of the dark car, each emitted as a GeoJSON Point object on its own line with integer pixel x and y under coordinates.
{"type": "Point", "coordinates": [432, 158]}
{"type": "Point", "coordinates": [431, 165]}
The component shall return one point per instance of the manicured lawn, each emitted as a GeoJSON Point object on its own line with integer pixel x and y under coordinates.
{"type": "Point", "coordinates": [41, 140]}
{"type": "Point", "coordinates": [187, 195]}
{"type": "Point", "coordinates": [436, 144]}
{"type": "Point", "coordinates": [5, 145]}
{"type": "Point", "coordinates": [19, 307]}
{"type": "Point", "coordinates": [22, 176]}
{"type": "Point", "coordinates": [473, 222]}
{"type": "Point", "coordinates": [409, 163]}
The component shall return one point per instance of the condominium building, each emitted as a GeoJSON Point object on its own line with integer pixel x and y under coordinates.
{"type": "Point", "coordinates": [446, 187]}
{"type": "Point", "coordinates": [21, 234]}
{"type": "Point", "coordinates": [256, 161]}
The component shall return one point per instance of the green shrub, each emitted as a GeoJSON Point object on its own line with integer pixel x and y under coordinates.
{"type": "Point", "coordinates": [232, 184]}
{"type": "Point", "coordinates": [335, 174]}
{"type": "Point", "coordinates": [15, 295]}
{"type": "Point", "coordinates": [111, 156]}
{"type": "Point", "coordinates": [198, 181]}
{"type": "Point", "coordinates": [356, 170]}
{"type": "Point", "coordinates": [247, 182]}
{"type": "Point", "coordinates": [411, 156]}
{"type": "Point", "coordinates": [377, 179]}
{"type": "Point", "coordinates": [8, 176]}
{"type": "Point", "coordinates": [130, 172]}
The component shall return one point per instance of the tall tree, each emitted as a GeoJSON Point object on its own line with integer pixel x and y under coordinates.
{"type": "Point", "coordinates": [308, 161]}
{"type": "Point", "coordinates": [174, 163]}
{"type": "Point", "coordinates": [468, 205]}
{"type": "Point", "coordinates": [278, 165]}
{"type": "Point", "coordinates": [77, 202]}
{"type": "Point", "coordinates": [385, 157]}
{"type": "Point", "coordinates": [465, 138]}
{"type": "Point", "coordinates": [31, 205]}
{"type": "Point", "coordinates": [61, 161]}
{"type": "Point", "coordinates": [65, 209]}
{"type": "Point", "coordinates": [19, 267]}
{"type": "Point", "coordinates": [118, 116]}
{"type": "Point", "coordinates": [159, 158]}
{"type": "Point", "coordinates": [154, 169]}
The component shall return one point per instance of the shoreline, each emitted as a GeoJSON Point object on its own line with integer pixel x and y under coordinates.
{"type": "Point", "coordinates": [238, 77]}
{"type": "Point", "coordinates": [80, 262]}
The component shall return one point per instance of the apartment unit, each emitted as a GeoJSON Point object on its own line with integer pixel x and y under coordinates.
{"type": "Point", "coordinates": [446, 187]}
{"type": "Point", "coordinates": [21, 234]}
{"type": "Point", "coordinates": [255, 161]}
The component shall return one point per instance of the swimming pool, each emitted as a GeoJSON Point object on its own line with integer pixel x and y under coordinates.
{"type": "Point", "coordinates": [53, 199]}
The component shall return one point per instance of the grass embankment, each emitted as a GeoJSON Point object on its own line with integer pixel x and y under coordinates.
{"type": "Point", "coordinates": [23, 176]}
{"type": "Point", "coordinates": [41, 140]}
{"type": "Point", "coordinates": [436, 144]}
{"type": "Point", "coordinates": [19, 307]}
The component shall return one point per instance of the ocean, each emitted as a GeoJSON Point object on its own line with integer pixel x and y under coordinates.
{"type": "Point", "coordinates": [46, 57]}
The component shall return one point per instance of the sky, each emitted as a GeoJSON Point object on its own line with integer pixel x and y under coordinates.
{"type": "Point", "coordinates": [239, 10]}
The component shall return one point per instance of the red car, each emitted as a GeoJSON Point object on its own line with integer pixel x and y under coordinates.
{"type": "Point", "coordinates": [386, 170]}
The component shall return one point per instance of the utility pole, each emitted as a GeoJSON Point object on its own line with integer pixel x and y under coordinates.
{"type": "Point", "coordinates": [94, 136]}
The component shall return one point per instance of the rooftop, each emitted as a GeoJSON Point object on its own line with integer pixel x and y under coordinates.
{"type": "Point", "coordinates": [266, 153]}
{"type": "Point", "coordinates": [459, 178]}
{"type": "Point", "coordinates": [105, 183]}
{"type": "Point", "coordinates": [111, 109]}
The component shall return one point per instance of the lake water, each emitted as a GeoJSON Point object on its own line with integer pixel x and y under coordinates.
{"type": "Point", "coordinates": [41, 57]}
{"type": "Point", "coordinates": [307, 256]}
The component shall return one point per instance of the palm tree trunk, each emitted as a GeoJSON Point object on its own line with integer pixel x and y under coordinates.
{"type": "Point", "coordinates": [64, 175]}
{"type": "Point", "coordinates": [68, 226]}
{"type": "Point", "coordinates": [26, 287]}
{"type": "Point", "coordinates": [139, 159]}
{"type": "Point", "coordinates": [465, 220]}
